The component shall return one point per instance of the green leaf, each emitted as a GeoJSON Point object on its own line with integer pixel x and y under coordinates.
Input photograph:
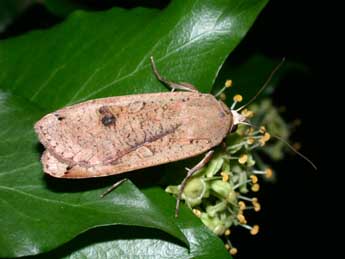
{"type": "Point", "coordinates": [94, 55]}
{"type": "Point", "coordinates": [101, 54]}
{"type": "Point", "coordinates": [134, 242]}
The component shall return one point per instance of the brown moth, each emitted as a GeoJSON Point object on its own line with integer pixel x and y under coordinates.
{"type": "Point", "coordinates": [119, 134]}
{"type": "Point", "coordinates": [114, 135]}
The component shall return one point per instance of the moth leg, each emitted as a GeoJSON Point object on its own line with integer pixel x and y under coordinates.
{"type": "Point", "coordinates": [190, 173]}
{"type": "Point", "coordinates": [179, 86]}
{"type": "Point", "coordinates": [114, 186]}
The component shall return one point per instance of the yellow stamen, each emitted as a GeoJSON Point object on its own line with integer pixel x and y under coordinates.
{"type": "Point", "coordinates": [247, 113]}
{"type": "Point", "coordinates": [242, 205]}
{"type": "Point", "coordinates": [257, 207]}
{"type": "Point", "coordinates": [227, 232]}
{"type": "Point", "coordinates": [227, 246]}
{"type": "Point", "coordinates": [222, 96]}
{"type": "Point", "coordinates": [254, 230]}
{"type": "Point", "coordinates": [250, 141]}
{"type": "Point", "coordinates": [266, 136]}
{"type": "Point", "coordinates": [254, 178]}
{"type": "Point", "coordinates": [233, 251]}
{"type": "Point", "coordinates": [225, 176]}
{"type": "Point", "coordinates": [228, 83]}
{"type": "Point", "coordinates": [256, 204]}
{"type": "Point", "coordinates": [241, 218]}
{"type": "Point", "coordinates": [243, 159]}
{"type": "Point", "coordinates": [238, 98]}
{"type": "Point", "coordinates": [268, 173]}
{"type": "Point", "coordinates": [255, 187]}
{"type": "Point", "coordinates": [262, 129]}
{"type": "Point", "coordinates": [249, 131]}
{"type": "Point", "coordinates": [197, 212]}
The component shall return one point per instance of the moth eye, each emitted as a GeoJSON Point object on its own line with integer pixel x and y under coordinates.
{"type": "Point", "coordinates": [108, 119]}
{"type": "Point", "coordinates": [234, 128]}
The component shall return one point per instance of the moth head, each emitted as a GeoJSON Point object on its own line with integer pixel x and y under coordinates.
{"type": "Point", "coordinates": [238, 118]}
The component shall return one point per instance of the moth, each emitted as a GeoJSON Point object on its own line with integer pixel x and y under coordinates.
{"type": "Point", "coordinates": [114, 135]}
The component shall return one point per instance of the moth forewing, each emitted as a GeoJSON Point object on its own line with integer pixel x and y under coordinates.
{"type": "Point", "coordinates": [119, 134]}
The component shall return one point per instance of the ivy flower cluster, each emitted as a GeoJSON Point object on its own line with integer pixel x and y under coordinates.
{"type": "Point", "coordinates": [223, 192]}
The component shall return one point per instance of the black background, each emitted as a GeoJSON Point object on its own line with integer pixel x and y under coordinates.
{"type": "Point", "coordinates": [290, 220]}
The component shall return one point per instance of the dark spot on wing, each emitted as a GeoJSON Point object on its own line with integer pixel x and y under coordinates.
{"type": "Point", "coordinates": [59, 117]}
{"type": "Point", "coordinates": [104, 110]}
{"type": "Point", "coordinates": [108, 119]}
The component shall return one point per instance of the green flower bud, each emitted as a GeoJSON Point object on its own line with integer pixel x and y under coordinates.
{"type": "Point", "coordinates": [194, 191]}
{"type": "Point", "coordinates": [250, 161]}
{"type": "Point", "coordinates": [213, 223]}
{"type": "Point", "coordinates": [226, 165]}
{"type": "Point", "coordinates": [214, 166]}
{"type": "Point", "coordinates": [232, 197]}
{"type": "Point", "coordinates": [210, 222]}
{"type": "Point", "coordinates": [221, 188]}
{"type": "Point", "coordinates": [226, 218]}
{"type": "Point", "coordinates": [213, 210]}
{"type": "Point", "coordinates": [243, 182]}
{"type": "Point", "coordinates": [219, 229]}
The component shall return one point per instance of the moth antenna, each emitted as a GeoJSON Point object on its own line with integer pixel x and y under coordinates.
{"type": "Point", "coordinates": [295, 150]}
{"type": "Point", "coordinates": [268, 80]}
{"type": "Point", "coordinates": [287, 144]}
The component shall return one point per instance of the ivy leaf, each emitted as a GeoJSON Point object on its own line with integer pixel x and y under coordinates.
{"type": "Point", "coordinates": [136, 242]}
